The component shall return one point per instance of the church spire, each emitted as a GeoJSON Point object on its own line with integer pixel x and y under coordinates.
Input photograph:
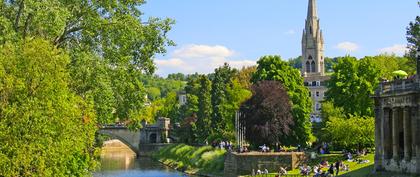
{"type": "Point", "coordinates": [312, 43]}
{"type": "Point", "coordinates": [312, 11]}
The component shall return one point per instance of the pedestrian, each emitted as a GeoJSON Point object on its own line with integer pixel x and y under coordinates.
{"type": "Point", "coordinates": [337, 167]}
{"type": "Point", "coordinates": [331, 169]}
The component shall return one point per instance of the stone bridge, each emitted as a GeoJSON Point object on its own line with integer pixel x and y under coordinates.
{"type": "Point", "coordinates": [144, 141]}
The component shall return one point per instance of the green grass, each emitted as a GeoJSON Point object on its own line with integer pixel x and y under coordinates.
{"type": "Point", "coordinates": [355, 169]}
{"type": "Point", "coordinates": [193, 160]}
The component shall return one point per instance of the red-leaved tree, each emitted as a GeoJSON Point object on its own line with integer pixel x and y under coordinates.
{"type": "Point", "coordinates": [267, 114]}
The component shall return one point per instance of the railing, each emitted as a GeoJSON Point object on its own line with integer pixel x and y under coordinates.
{"type": "Point", "coordinates": [112, 126]}
{"type": "Point", "coordinates": [398, 86]}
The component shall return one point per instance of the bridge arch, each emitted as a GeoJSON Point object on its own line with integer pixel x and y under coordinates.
{"type": "Point", "coordinates": [129, 138]}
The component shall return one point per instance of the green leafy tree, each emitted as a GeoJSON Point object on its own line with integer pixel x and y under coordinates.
{"type": "Point", "coordinates": [244, 76]}
{"type": "Point", "coordinates": [45, 129]}
{"type": "Point", "coordinates": [111, 33]}
{"type": "Point", "coordinates": [170, 107]}
{"type": "Point", "coordinates": [295, 62]}
{"type": "Point", "coordinates": [413, 38]}
{"type": "Point", "coordinates": [222, 79]}
{"type": "Point", "coordinates": [204, 109]}
{"type": "Point", "coordinates": [177, 76]}
{"type": "Point", "coordinates": [352, 133]}
{"type": "Point", "coordinates": [352, 84]}
{"type": "Point", "coordinates": [273, 68]}
{"type": "Point", "coordinates": [389, 63]}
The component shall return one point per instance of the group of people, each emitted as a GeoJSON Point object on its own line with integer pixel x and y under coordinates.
{"type": "Point", "coordinates": [259, 172]}
{"type": "Point", "coordinates": [222, 145]}
{"type": "Point", "coordinates": [265, 148]}
{"type": "Point", "coordinates": [333, 169]}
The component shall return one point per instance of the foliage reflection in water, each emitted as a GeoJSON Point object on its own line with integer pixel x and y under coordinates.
{"type": "Point", "coordinates": [117, 160]}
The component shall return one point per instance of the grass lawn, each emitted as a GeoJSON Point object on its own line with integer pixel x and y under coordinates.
{"type": "Point", "coordinates": [192, 160]}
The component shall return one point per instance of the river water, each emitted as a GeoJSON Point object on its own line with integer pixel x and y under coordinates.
{"type": "Point", "coordinates": [117, 160]}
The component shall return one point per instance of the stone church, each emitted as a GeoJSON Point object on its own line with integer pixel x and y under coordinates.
{"type": "Point", "coordinates": [397, 125]}
{"type": "Point", "coordinates": [313, 65]}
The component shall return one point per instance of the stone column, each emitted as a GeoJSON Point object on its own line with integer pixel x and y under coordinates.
{"type": "Point", "coordinates": [386, 134]}
{"type": "Point", "coordinates": [416, 140]}
{"type": "Point", "coordinates": [407, 134]}
{"type": "Point", "coordinates": [413, 116]}
{"type": "Point", "coordinates": [378, 138]}
{"type": "Point", "coordinates": [395, 134]}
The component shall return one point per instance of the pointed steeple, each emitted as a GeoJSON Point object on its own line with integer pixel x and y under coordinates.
{"type": "Point", "coordinates": [312, 43]}
{"type": "Point", "coordinates": [312, 11]}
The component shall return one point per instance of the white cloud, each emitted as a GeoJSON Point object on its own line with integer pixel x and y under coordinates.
{"type": "Point", "coordinates": [199, 58]}
{"type": "Point", "coordinates": [290, 32]}
{"type": "Point", "coordinates": [397, 49]}
{"type": "Point", "coordinates": [173, 62]}
{"type": "Point", "coordinates": [347, 46]}
{"type": "Point", "coordinates": [202, 51]}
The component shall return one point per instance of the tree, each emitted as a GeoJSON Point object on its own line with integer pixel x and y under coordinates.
{"type": "Point", "coordinates": [352, 84]}
{"type": "Point", "coordinates": [273, 68]}
{"type": "Point", "coordinates": [204, 109]}
{"type": "Point", "coordinates": [222, 78]}
{"type": "Point", "coordinates": [387, 64]}
{"type": "Point", "coordinates": [295, 62]}
{"type": "Point", "coordinates": [413, 38]}
{"type": "Point", "coordinates": [177, 76]}
{"type": "Point", "coordinates": [352, 133]}
{"type": "Point", "coordinates": [267, 115]}
{"type": "Point", "coordinates": [111, 33]}
{"type": "Point", "coordinates": [45, 128]}
{"type": "Point", "coordinates": [244, 76]}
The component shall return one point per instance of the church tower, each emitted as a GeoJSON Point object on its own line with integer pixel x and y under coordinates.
{"type": "Point", "coordinates": [312, 44]}
{"type": "Point", "coordinates": [313, 61]}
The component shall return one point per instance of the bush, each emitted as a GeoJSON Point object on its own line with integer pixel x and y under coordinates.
{"type": "Point", "coordinates": [205, 159]}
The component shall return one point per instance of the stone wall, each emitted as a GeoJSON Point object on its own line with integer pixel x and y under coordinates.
{"type": "Point", "coordinates": [242, 164]}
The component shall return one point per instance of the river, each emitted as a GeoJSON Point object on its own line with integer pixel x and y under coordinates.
{"type": "Point", "coordinates": [117, 160]}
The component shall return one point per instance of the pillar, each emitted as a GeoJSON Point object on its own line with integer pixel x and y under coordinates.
{"type": "Point", "coordinates": [378, 138]}
{"type": "Point", "coordinates": [386, 130]}
{"type": "Point", "coordinates": [395, 134]}
{"type": "Point", "coordinates": [413, 116]}
{"type": "Point", "coordinates": [416, 141]}
{"type": "Point", "coordinates": [407, 133]}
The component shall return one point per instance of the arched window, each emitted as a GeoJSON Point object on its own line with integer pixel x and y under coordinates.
{"type": "Point", "coordinates": [310, 57]}
{"type": "Point", "coordinates": [308, 67]}
{"type": "Point", "coordinates": [313, 66]}
{"type": "Point", "coordinates": [310, 29]}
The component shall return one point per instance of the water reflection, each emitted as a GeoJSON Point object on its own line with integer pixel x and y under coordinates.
{"type": "Point", "coordinates": [117, 160]}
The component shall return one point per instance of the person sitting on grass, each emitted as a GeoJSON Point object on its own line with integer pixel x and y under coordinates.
{"type": "Point", "coordinates": [282, 171]}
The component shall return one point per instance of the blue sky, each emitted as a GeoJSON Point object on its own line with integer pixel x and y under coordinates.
{"type": "Point", "coordinates": [211, 32]}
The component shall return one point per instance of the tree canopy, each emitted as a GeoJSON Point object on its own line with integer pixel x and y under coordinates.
{"type": "Point", "coordinates": [273, 68]}
{"type": "Point", "coordinates": [45, 129]}
{"type": "Point", "coordinates": [413, 38]}
{"type": "Point", "coordinates": [267, 115]}
{"type": "Point", "coordinates": [352, 84]}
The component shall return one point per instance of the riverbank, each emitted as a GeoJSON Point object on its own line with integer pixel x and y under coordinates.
{"type": "Point", "coordinates": [203, 161]}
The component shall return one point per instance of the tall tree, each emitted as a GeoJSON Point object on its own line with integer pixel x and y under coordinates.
{"type": "Point", "coordinates": [222, 78]}
{"type": "Point", "coordinates": [267, 115]}
{"type": "Point", "coordinates": [352, 84]}
{"type": "Point", "coordinates": [204, 109]}
{"type": "Point", "coordinates": [413, 38]}
{"type": "Point", "coordinates": [273, 68]}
